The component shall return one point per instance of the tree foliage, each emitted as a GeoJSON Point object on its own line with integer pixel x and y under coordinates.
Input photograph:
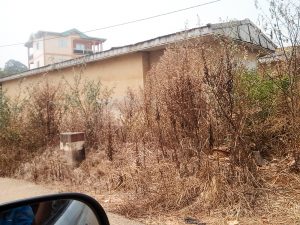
{"type": "Point", "coordinates": [13, 67]}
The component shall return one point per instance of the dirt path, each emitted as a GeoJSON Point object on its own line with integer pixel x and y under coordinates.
{"type": "Point", "coordinates": [12, 189]}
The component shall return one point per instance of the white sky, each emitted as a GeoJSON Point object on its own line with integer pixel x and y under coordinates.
{"type": "Point", "coordinates": [20, 18]}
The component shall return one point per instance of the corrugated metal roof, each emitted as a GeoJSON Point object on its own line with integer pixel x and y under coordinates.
{"type": "Point", "coordinates": [66, 33]}
{"type": "Point", "coordinates": [243, 30]}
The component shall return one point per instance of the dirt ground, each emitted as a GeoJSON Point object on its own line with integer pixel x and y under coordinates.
{"type": "Point", "coordinates": [12, 189]}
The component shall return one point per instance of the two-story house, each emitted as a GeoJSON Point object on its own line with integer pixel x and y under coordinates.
{"type": "Point", "coordinates": [46, 47]}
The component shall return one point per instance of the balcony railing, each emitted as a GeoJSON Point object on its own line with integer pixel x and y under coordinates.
{"type": "Point", "coordinates": [83, 52]}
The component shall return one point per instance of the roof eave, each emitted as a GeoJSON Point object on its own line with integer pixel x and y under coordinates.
{"type": "Point", "coordinates": [141, 46]}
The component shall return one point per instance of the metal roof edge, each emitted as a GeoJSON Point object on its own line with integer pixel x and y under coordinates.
{"type": "Point", "coordinates": [265, 36]}
{"type": "Point", "coordinates": [243, 22]}
{"type": "Point", "coordinates": [127, 49]}
{"type": "Point", "coordinates": [140, 46]}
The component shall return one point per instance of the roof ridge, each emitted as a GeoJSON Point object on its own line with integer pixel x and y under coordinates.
{"type": "Point", "coordinates": [151, 43]}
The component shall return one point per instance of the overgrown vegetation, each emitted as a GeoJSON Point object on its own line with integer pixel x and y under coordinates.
{"type": "Point", "coordinates": [189, 140]}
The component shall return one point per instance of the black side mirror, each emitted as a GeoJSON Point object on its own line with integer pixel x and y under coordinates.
{"type": "Point", "coordinates": [58, 209]}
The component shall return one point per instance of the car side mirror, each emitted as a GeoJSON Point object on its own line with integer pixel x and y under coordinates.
{"type": "Point", "coordinates": [58, 209]}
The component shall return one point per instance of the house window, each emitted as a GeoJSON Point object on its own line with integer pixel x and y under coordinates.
{"type": "Point", "coordinates": [63, 43]}
{"type": "Point", "coordinates": [80, 47]}
{"type": "Point", "coordinates": [38, 64]}
{"type": "Point", "coordinates": [37, 46]}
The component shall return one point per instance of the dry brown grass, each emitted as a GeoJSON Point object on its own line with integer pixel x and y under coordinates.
{"type": "Point", "coordinates": [137, 193]}
{"type": "Point", "coordinates": [157, 154]}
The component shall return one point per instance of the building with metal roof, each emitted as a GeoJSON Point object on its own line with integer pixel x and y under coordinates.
{"type": "Point", "coordinates": [47, 47]}
{"type": "Point", "coordinates": [127, 66]}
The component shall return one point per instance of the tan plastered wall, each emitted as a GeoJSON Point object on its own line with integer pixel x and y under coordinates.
{"type": "Point", "coordinates": [56, 53]}
{"type": "Point", "coordinates": [55, 58]}
{"type": "Point", "coordinates": [118, 73]}
{"type": "Point", "coordinates": [52, 45]}
{"type": "Point", "coordinates": [38, 54]}
{"type": "Point", "coordinates": [154, 56]}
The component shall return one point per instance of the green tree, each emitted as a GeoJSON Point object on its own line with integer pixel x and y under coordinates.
{"type": "Point", "coordinates": [13, 67]}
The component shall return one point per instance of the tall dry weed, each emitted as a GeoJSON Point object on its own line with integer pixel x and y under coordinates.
{"type": "Point", "coordinates": [162, 144]}
{"type": "Point", "coordinates": [87, 105]}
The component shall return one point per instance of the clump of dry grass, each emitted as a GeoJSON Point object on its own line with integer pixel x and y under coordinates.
{"type": "Point", "coordinates": [162, 147]}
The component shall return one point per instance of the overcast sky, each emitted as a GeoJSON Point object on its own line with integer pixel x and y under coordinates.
{"type": "Point", "coordinates": [20, 18]}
